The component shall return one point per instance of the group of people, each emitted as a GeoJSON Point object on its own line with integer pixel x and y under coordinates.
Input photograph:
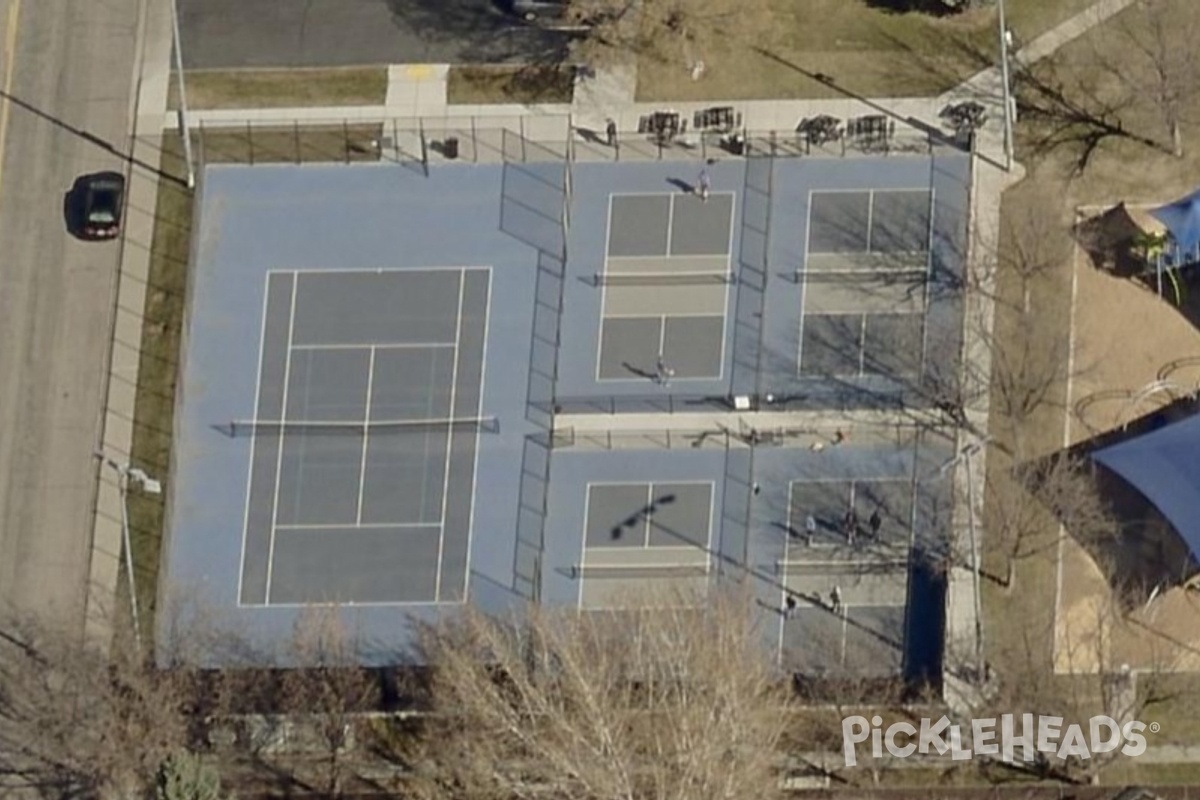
{"type": "Point", "coordinates": [850, 526]}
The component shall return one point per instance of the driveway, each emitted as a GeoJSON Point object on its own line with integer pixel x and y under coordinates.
{"type": "Point", "coordinates": [222, 34]}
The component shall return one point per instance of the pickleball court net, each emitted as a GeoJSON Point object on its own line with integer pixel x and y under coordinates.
{"type": "Point", "coordinates": [661, 278]}
{"type": "Point", "coordinates": [251, 427]}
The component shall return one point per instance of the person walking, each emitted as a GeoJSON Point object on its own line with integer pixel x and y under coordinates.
{"type": "Point", "coordinates": [610, 130]}
{"type": "Point", "coordinates": [810, 528]}
{"type": "Point", "coordinates": [835, 598]}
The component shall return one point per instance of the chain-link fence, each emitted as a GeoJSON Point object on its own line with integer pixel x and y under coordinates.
{"type": "Point", "coordinates": [420, 142]}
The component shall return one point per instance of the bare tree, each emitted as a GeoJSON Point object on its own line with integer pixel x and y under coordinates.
{"type": "Point", "coordinates": [75, 721]}
{"type": "Point", "coordinates": [325, 692]}
{"type": "Point", "coordinates": [660, 700]}
{"type": "Point", "coordinates": [1031, 506]}
{"type": "Point", "coordinates": [1152, 57]}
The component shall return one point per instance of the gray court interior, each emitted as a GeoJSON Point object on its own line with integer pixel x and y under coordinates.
{"type": "Point", "coordinates": [864, 641]}
{"type": "Point", "coordinates": [648, 515]}
{"type": "Point", "coordinates": [378, 514]}
{"type": "Point", "coordinates": [853, 345]}
{"type": "Point", "coordinates": [666, 235]}
{"type": "Point", "coordinates": [828, 503]}
{"type": "Point", "coordinates": [884, 222]}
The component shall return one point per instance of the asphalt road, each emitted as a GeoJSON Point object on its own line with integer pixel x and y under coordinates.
{"type": "Point", "coordinates": [312, 33]}
{"type": "Point", "coordinates": [71, 67]}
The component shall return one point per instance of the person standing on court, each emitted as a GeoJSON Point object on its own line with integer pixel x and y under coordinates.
{"type": "Point", "coordinates": [875, 522]}
{"type": "Point", "coordinates": [835, 598]}
{"type": "Point", "coordinates": [810, 528]}
{"type": "Point", "coordinates": [703, 185]}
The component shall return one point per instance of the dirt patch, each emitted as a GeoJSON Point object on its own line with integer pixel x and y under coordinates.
{"type": "Point", "coordinates": [499, 85]}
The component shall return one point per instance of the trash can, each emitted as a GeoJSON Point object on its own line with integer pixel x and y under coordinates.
{"type": "Point", "coordinates": [450, 147]}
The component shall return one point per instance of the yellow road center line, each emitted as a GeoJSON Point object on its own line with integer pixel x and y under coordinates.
{"type": "Point", "coordinates": [10, 54]}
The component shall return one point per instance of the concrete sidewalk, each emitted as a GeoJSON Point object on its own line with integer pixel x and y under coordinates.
{"type": "Point", "coordinates": [150, 100]}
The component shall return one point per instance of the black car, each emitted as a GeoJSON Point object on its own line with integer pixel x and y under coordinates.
{"type": "Point", "coordinates": [100, 200]}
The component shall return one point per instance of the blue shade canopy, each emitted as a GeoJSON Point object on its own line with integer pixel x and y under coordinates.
{"type": "Point", "coordinates": [1182, 219]}
{"type": "Point", "coordinates": [1164, 465]}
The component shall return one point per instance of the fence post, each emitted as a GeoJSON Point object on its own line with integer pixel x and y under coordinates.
{"type": "Point", "coordinates": [521, 132]}
{"type": "Point", "coordinates": [424, 146]}
{"type": "Point", "coordinates": [346, 138]}
{"type": "Point", "coordinates": [474, 142]}
{"type": "Point", "coordinates": [250, 141]}
{"type": "Point", "coordinates": [296, 139]}
{"type": "Point", "coordinates": [200, 142]}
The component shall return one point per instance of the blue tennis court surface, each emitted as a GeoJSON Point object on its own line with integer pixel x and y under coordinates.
{"type": "Point", "coordinates": [500, 384]}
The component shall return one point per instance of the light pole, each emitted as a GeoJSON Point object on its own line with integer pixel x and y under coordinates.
{"type": "Point", "coordinates": [183, 112]}
{"type": "Point", "coordinates": [1004, 76]}
{"type": "Point", "coordinates": [966, 455]}
{"type": "Point", "coordinates": [125, 474]}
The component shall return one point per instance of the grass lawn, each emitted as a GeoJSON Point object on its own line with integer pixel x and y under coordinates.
{"type": "Point", "coordinates": [154, 409]}
{"type": "Point", "coordinates": [277, 88]}
{"type": "Point", "coordinates": [864, 50]}
{"type": "Point", "coordinates": [498, 85]}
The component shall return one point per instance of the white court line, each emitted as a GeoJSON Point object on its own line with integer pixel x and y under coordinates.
{"type": "Point", "coordinates": [670, 221]}
{"type": "Point", "coordinates": [784, 589]}
{"type": "Point", "coordinates": [929, 269]}
{"type": "Point", "coordinates": [375, 346]}
{"type": "Point", "coordinates": [658, 548]}
{"type": "Point", "coordinates": [347, 604]}
{"type": "Point", "coordinates": [287, 371]}
{"type": "Point", "coordinates": [362, 468]}
{"type": "Point", "coordinates": [381, 270]}
{"type": "Point", "coordinates": [604, 293]}
{"type": "Point", "coordinates": [357, 526]}
{"type": "Point", "coordinates": [262, 346]}
{"type": "Point", "coordinates": [862, 347]}
{"type": "Point", "coordinates": [870, 216]}
{"type": "Point", "coordinates": [729, 289]}
{"type": "Point", "coordinates": [437, 586]}
{"type": "Point", "coordinates": [671, 316]}
{"type": "Point", "coordinates": [487, 321]}
{"type": "Point", "coordinates": [662, 336]}
{"type": "Point", "coordinates": [647, 514]}
{"type": "Point", "coordinates": [583, 548]}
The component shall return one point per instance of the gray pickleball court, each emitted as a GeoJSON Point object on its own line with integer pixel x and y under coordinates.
{"type": "Point", "coordinates": [828, 503]}
{"type": "Point", "coordinates": [365, 437]}
{"type": "Point", "coordinates": [638, 534]}
{"type": "Point", "coordinates": [865, 277]}
{"type": "Point", "coordinates": [666, 284]}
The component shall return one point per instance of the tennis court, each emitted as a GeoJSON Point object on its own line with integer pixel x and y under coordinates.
{"type": "Point", "coordinates": [666, 280]}
{"type": "Point", "coordinates": [640, 535]}
{"type": "Point", "coordinates": [364, 437]}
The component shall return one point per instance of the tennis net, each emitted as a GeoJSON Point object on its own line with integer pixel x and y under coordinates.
{"type": "Point", "coordinates": [251, 427]}
{"type": "Point", "coordinates": [662, 278]}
